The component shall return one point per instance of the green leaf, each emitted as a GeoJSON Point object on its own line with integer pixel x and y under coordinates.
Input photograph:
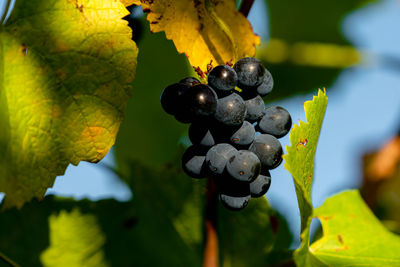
{"type": "Point", "coordinates": [352, 235]}
{"type": "Point", "coordinates": [299, 161]}
{"type": "Point", "coordinates": [179, 201]}
{"type": "Point", "coordinates": [346, 220]}
{"type": "Point", "coordinates": [64, 73]}
{"type": "Point", "coordinates": [64, 250]}
{"type": "Point", "coordinates": [255, 236]}
{"type": "Point", "coordinates": [162, 225]}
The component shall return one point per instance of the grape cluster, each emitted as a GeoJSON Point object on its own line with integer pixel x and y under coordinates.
{"type": "Point", "coordinates": [234, 137]}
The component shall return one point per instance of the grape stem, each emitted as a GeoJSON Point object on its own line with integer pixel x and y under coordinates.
{"type": "Point", "coordinates": [245, 7]}
{"type": "Point", "coordinates": [210, 256]}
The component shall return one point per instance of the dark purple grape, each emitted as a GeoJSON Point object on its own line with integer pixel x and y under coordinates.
{"type": "Point", "coordinates": [171, 97]}
{"type": "Point", "coordinates": [255, 108]}
{"type": "Point", "coordinates": [222, 79]}
{"type": "Point", "coordinates": [269, 151]}
{"type": "Point", "coordinates": [199, 101]}
{"type": "Point", "coordinates": [190, 81]}
{"type": "Point", "coordinates": [193, 162]}
{"type": "Point", "coordinates": [250, 72]}
{"type": "Point", "coordinates": [231, 110]}
{"type": "Point", "coordinates": [217, 157]}
{"type": "Point", "coordinates": [244, 166]}
{"type": "Point", "coordinates": [184, 117]}
{"type": "Point", "coordinates": [234, 203]}
{"type": "Point", "coordinates": [234, 194]}
{"type": "Point", "coordinates": [244, 136]}
{"type": "Point", "coordinates": [200, 134]}
{"type": "Point", "coordinates": [260, 185]}
{"type": "Point", "coordinates": [266, 86]}
{"type": "Point", "coordinates": [276, 121]}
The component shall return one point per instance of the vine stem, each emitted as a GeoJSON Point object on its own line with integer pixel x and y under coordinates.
{"type": "Point", "coordinates": [6, 8]}
{"type": "Point", "coordinates": [210, 256]}
{"type": "Point", "coordinates": [245, 7]}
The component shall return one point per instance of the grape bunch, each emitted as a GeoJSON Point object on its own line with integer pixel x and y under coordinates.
{"type": "Point", "coordinates": [234, 137]}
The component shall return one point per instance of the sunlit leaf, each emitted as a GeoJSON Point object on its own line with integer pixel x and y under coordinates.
{"type": "Point", "coordinates": [352, 235]}
{"type": "Point", "coordinates": [64, 66]}
{"type": "Point", "coordinates": [64, 250]}
{"type": "Point", "coordinates": [299, 161]}
{"type": "Point", "coordinates": [196, 29]}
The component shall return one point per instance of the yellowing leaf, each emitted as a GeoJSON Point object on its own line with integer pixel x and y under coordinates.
{"type": "Point", "coordinates": [203, 29]}
{"type": "Point", "coordinates": [64, 73]}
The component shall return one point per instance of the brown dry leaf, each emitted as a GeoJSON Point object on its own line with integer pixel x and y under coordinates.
{"type": "Point", "coordinates": [195, 32]}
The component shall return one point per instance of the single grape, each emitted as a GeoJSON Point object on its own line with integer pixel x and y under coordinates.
{"type": "Point", "coordinates": [217, 157]}
{"type": "Point", "coordinates": [234, 203]}
{"type": "Point", "coordinates": [199, 101]}
{"type": "Point", "coordinates": [222, 133]}
{"type": "Point", "coordinates": [250, 72]}
{"type": "Point", "coordinates": [255, 108]}
{"type": "Point", "coordinates": [171, 97]}
{"type": "Point", "coordinates": [222, 79]}
{"type": "Point", "coordinates": [266, 86]}
{"type": "Point", "coordinates": [184, 117]}
{"type": "Point", "coordinates": [276, 121]}
{"type": "Point", "coordinates": [200, 134]}
{"type": "Point", "coordinates": [260, 185]}
{"type": "Point", "coordinates": [231, 110]}
{"type": "Point", "coordinates": [193, 162]}
{"type": "Point", "coordinates": [269, 151]}
{"type": "Point", "coordinates": [234, 194]}
{"type": "Point", "coordinates": [190, 81]}
{"type": "Point", "coordinates": [244, 166]}
{"type": "Point", "coordinates": [244, 135]}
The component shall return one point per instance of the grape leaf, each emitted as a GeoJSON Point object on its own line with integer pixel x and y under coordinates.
{"type": "Point", "coordinates": [346, 220]}
{"type": "Point", "coordinates": [164, 217]}
{"type": "Point", "coordinates": [65, 68]}
{"type": "Point", "coordinates": [352, 235]}
{"type": "Point", "coordinates": [63, 250]}
{"type": "Point", "coordinates": [299, 161]}
{"type": "Point", "coordinates": [197, 31]}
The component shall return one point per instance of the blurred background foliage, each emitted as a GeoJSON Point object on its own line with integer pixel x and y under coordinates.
{"type": "Point", "coordinates": [162, 224]}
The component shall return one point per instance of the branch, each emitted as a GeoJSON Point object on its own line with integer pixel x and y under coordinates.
{"type": "Point", "coordinates": [245, 7]}
{"type": "Point", "coordinates": [210, 256]}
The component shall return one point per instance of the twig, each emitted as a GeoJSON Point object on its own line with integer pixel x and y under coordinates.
{"type": "Point", "coordinates": [245, 7]}
{"type": "Point", "coordinates": [6, 9]}
{"type": "Point", "coordinates": [210, 256]}
{"type": "Point", "coordinates": [8, 261]}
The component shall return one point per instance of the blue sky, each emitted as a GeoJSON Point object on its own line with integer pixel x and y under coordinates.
{"type": "Point", "coordinates": [363, 112]}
